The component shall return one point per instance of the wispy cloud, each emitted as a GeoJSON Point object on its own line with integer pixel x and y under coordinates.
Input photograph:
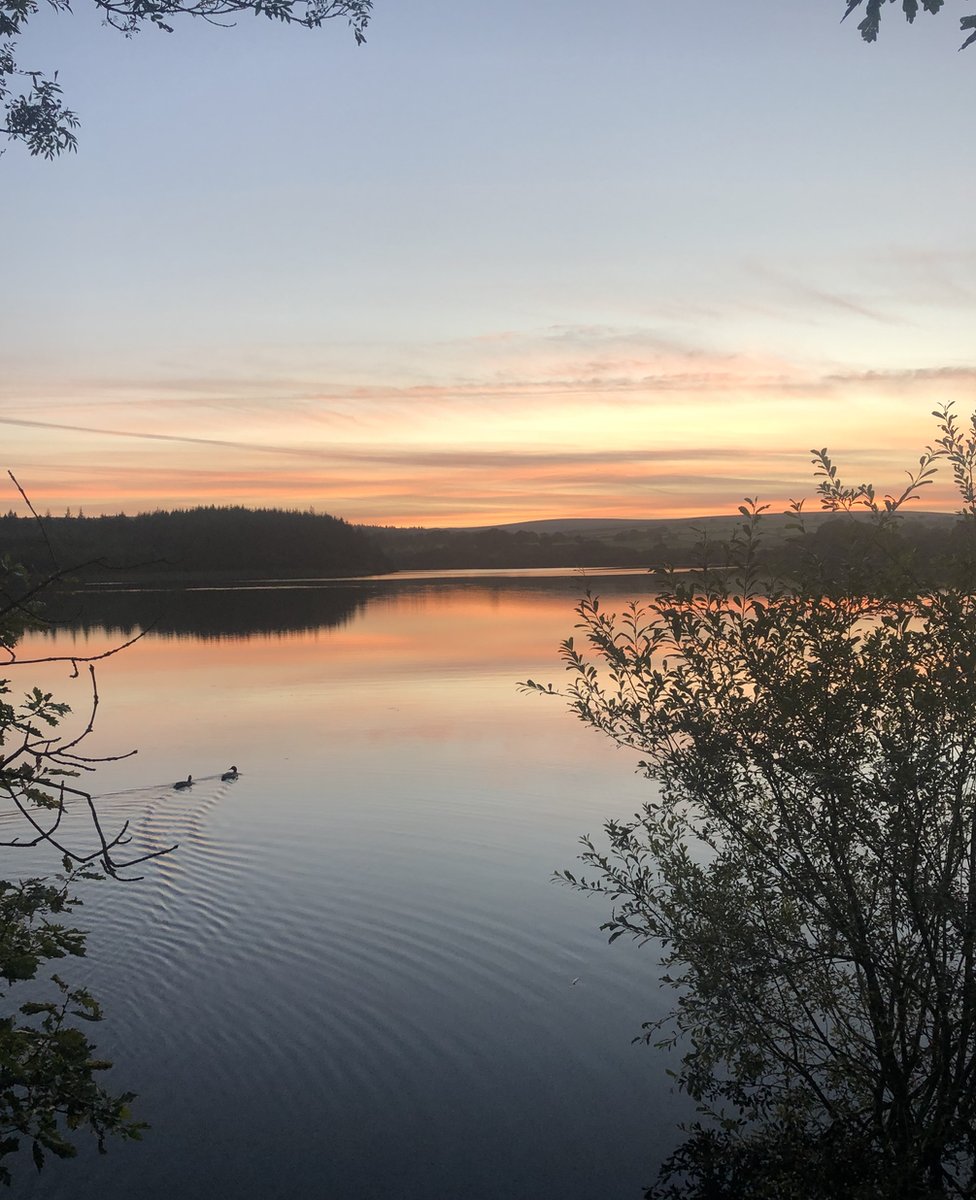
{"type": "Point", "coordinates": [811, 296]}
{"type": "Point", "coordinates": [437, 458]}
{"type": "Point", "coordinates": [965, 375]}
{"type": "Point", "coordinates": [562, 420]}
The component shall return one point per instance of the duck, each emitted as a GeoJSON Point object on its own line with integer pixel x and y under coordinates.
{"type": "Point", "coordinates": [180, 784]}
{"type": "Point", "coordinates": [231, 774]}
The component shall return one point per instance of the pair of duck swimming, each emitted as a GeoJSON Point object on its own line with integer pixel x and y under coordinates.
{"type": "Point", "coordinates": [181, 784]}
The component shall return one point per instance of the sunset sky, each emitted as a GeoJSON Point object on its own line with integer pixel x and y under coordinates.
{"type": "Point", "coordinates": [511, 260]}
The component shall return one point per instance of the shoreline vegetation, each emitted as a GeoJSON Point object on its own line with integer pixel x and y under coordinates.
{"type": "Point", "coordinates": [226, 545]}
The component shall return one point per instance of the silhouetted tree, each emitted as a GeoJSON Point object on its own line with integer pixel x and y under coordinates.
{"type": "Point", "coordinates": [210, 542]}
{"type": "Point", "coordinates": [33, 109]}
{"type": "Point", "coordinates": [49, 1072]}
{"type": "Point", "coordinates": [807, 860]}
{"type": "Point", "coordinates": [873, 10]}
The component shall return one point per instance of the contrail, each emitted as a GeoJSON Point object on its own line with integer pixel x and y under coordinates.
{"type": "Point", "coordinates": [168, 437]}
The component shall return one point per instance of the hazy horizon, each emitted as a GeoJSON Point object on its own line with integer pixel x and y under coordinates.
{"type": "Point", "coordinates": [573, 521]}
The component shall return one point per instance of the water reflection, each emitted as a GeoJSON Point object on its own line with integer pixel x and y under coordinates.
{"type": "Point", "coordinates": [354, 978]}
{"type": "Point", "coordinates": [249, 610]}
{"type": "Point", "coordinates": [205, 612]}
{"type": "Point", "coordinates": [246, 611]}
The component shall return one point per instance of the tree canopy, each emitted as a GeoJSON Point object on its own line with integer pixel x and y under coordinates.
{"type": "Point", "coordinates": [49, 1072]}
{"type": "Point", "coordinates": [212, 542]}
{"type": "Point", "coordinates": [873, 10]}
{"type": "Point", "coordinates": [806, 860]}
{"type": "Point", "coordinates": [34, 111]}
{"type": "Point", "coordinates": [33, 108]}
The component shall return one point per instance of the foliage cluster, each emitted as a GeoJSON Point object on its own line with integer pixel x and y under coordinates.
{"type": "Point", "coordinates": [49, 1072]}
{"type": "Point", "coordinates": [31, 101]}
{"type": "Point", "coordinates": [873, 9]}
{"type": "Point", "coordinates": [807, 860]}
{"type": "Point", "coordinates": [49, 1069]}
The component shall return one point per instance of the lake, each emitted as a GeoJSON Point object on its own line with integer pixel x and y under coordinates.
{"type": "Point", "coordinates": [354, 978]}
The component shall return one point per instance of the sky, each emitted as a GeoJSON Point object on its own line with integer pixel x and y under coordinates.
{"type": "Point", "coordinates": [506, 261]}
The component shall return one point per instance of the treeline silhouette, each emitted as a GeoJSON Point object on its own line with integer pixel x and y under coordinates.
{"type": "Point", "coordinates": [492, 549]}
{"type": "Point", "coordinates": [195, 543]}
{"type": "Point", "coordinates": [235, 543]}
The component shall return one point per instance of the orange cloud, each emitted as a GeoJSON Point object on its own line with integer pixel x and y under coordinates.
{"type": "Point", "coordinates": [572, 421]}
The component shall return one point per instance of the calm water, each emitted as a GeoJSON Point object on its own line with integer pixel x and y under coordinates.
{"type": "Point", "coordinates": [354, 978]}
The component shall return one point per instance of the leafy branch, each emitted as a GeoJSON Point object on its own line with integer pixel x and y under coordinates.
{"type": "Point", "coordinates": [31, 100]}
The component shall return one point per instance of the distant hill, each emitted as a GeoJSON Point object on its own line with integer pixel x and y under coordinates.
{"type": "Point", "coordinates": [772, 522]}
{"type": "Point", "coordinates": [588, 526]}
{"type": "Point", "coordinates": [627, 542]}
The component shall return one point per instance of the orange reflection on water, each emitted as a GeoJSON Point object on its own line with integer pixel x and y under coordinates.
{"type": "Point", "coordinates": [428, 671]}
{"type": "Point", "coordinates": [472, 627]}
